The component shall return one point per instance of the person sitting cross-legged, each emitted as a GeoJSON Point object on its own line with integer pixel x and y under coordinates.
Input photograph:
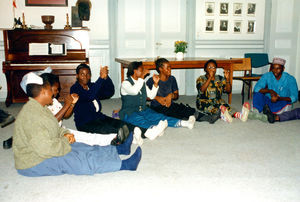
{"type": "Point", "coordinates": [168, 92]}
{"type": "Point", "coordinates": [42, 148]}
{"type": "Point", "coordinates": [210, 88]}
{"type": "Point", "coordinates": [276, 88]}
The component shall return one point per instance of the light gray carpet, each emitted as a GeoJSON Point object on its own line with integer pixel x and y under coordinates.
{"type": "Point", "coordinates": [252, 161]}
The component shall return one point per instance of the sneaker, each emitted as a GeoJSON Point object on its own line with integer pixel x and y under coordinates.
{"type": "Point", "coordinates": [245, 111]}
{"type": "Point", "coordinates": [270, 115]}
{"type": "Point", "coordinates": [7, 144]}
{"type": "Point", "coordinates": [7, 121]}
{"type": "Point", "coordinates": [225, 116]}
{"type": "Point", "coordinates": [122, 135]}
{"type": "Point", "coordinates": [191, 122]}
{"type": "Point", "coordinates": [164, 125]}
{"type": "Point", "coordinates": [155, 131]}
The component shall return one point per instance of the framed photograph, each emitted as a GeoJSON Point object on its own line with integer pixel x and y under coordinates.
{"type": "Point", "coordinates": [251, 9]}
{"type": "Point", "coordinates": [223, 25]}
{"type": "Point", "coordinates": [209, 26]}
{"type": "Point", "coordinates": [237, 26]}
{"type": "Point", "coordinates": [223, 8]}
{"type": "Point", "coordinates": [209, 8]}
{"type": "Point", "coordinates": [237, 9]}
{"type": "Point", "coordinates": [251, 26]}
{"type": "Point", "coordinates": [46, 3]}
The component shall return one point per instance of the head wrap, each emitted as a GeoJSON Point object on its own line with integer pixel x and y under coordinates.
{"type": "Point", "coordinates": [33, 78]}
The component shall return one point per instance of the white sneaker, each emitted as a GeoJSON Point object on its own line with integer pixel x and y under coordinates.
{"type": "Point", "coordinates": [191, 122]}
{"type": "Point", "coordinates": [137, 136]}
{"type": "Point", "coordinates": [155, 131]}
{"type": "Point", "coordinates": [163, 125]}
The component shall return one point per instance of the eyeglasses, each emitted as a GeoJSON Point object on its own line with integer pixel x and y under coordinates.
{"type": "Point", "coordinates": [211, 67]}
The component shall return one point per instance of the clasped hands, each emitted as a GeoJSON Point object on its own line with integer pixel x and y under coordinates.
{"type": "Point", "coordinates": [274, 96]}
{"type": "Point", "coordinates": [165, 101]}
{"type": "Point", "coordinates": [70, 137]}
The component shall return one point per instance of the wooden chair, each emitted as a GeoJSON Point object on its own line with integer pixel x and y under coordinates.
{"type": "Point", "coordinates": [246, 67]}
{"type": "Point", "coordinates": [251, 60]}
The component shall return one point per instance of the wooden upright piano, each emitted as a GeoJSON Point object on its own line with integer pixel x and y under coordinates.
{"type": "Point", "coordinates": [19, 59]}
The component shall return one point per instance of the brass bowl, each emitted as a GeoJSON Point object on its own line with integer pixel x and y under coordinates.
{"type": "Point", "coordinates": [48, 20]}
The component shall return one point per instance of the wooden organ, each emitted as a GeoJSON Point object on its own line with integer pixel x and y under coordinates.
{"type": "Point", "coordinates": [22, 55]}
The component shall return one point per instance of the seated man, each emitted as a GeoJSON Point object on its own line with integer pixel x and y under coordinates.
{"type": "Point", "coordinates": [276, 88]}
{"type": "Point", "coordinates": [42, 148]}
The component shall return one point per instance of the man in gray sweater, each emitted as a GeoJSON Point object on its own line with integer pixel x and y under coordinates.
{"type": "Point", "coordinates": [41, 147]}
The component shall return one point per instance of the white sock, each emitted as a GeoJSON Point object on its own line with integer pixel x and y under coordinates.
{"type": "Point", "coordinates": [137, 136]}
{"type": "Point", "coordinates": [189, 123]}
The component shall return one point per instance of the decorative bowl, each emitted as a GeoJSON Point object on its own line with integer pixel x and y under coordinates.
{"type": "Point", "coordinates": [48, 20]}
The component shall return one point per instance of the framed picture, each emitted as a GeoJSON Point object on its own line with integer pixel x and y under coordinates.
{"type": "Point", "coordinates": [237, 26]}
{"type": "Point", "coordinates": [223, 8]}
{"type": "Point", "coordinates": [209, 8]}
{"type": "Point", "coordinates": [209, 26]}
{"type": "Point", "coordinates": [223, 25]}
{"type": "Point", "coordinates": [237, 8]}
{"type": "Point", "coordinates": [251, 9]}
{"type": "Point", "coordinates": [46, 3]}
{"type": "Point", "coordinates": [251, 26]}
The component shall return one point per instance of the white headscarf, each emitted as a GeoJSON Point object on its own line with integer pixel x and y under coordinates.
{"type": "Point", "coordinates": [33, 78]}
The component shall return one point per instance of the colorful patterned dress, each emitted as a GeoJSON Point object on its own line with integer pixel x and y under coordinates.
{"type": "Point", "coordinates": [210, 100]}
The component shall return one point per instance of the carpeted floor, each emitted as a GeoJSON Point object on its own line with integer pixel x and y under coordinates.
{"type": "Point", "coordinates": [252, 161]}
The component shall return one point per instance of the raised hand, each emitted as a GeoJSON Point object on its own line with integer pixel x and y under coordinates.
{"type": "Point", "coordinates": [226, 74]}
{"type": "Point", "coordinates": [104, 72]}
{"type": "Point", "coordinates": [155, 79]}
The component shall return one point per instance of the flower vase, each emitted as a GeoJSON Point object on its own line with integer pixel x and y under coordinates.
{"type": "Point", "coordinates": [179, 56]}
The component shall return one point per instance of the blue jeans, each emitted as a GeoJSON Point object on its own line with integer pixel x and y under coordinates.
{"type": "Point", "coordinates": [82, 160]}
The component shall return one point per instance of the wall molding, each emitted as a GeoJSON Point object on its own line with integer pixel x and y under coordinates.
{"type": "Point", "coordinates": [229, 44]}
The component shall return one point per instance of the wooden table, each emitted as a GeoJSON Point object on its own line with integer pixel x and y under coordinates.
{"type": "Point", "coordinates": [186, 63]}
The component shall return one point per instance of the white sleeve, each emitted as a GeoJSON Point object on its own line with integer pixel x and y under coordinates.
{"type": "Point", "coordinates": [152, 93]}
{"type": "Point", "coordinates": [128, 89]}
{"type": "Point", "coordinates": [55, 107]}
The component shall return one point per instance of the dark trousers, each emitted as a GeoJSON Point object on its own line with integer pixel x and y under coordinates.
{"type": "Point", "coordinates": [290, 115]}
{"type": "Point", "coordinates": [106, 126]}
{"type": "Point", "coordinates": [179, 111]}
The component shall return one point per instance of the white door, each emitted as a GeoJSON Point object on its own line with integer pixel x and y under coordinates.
{"type": "Point", "coordinates": [149, 28]}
